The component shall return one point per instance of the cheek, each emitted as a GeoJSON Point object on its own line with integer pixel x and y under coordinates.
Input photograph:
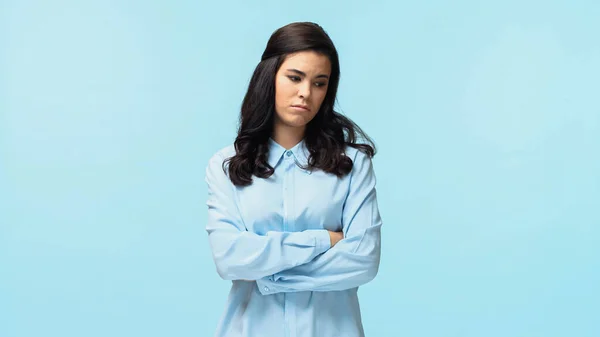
{"type": "Point", "coordinates": [283, 91]}
{"type": "Point", "coordinates": [277, 91]}
{"type": "Point", "coordinates": [320, 97]}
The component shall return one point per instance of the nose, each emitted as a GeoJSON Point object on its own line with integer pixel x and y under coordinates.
{"type": "Point", "coordinates": [304, 89]}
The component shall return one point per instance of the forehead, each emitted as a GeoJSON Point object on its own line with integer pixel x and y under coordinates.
{"type": "Point", "coordinates": [309, 62]}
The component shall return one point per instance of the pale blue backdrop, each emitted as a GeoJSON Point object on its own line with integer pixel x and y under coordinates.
{"type": "Point", "coordinates": [486, 115]}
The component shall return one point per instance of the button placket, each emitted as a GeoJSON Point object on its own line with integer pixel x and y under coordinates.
{"type": "Point", "coordinates": [289, 312]}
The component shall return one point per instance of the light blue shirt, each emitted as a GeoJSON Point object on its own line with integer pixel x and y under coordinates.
{"type": "Point", "coordinates": [270, 239]}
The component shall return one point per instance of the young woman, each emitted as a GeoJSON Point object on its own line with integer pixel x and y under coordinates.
{"type": "Point", "coordinates": [293, 219]}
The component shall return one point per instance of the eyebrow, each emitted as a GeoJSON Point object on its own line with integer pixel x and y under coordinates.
{"type": "Point", "coordinates": [304, 74]}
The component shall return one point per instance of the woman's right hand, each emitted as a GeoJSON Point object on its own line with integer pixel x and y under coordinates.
{"type": "Point", "coordinates": [335, 237]}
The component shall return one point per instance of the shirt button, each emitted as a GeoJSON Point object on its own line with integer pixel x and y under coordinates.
{"type": "Point", "coordinates": [266, 288]}
{"type": "Point", "coordinates": [288, 153]}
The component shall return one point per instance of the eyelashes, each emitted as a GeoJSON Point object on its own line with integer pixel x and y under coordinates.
{"type": "Point", "coordinates": [298, 79]}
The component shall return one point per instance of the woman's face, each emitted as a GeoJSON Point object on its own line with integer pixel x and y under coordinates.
{"type": "Point", "coordinates": [300, 87]}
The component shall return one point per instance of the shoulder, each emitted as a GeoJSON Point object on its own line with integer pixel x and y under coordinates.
{"type": "Point", "coordinates": [216, 160]}
{"type": "Point", "coordinates": [223, 153]}
{"type": "Point", "coordinates": [358, 157]}
{"type": "Point", "coordinates": [362, 165]}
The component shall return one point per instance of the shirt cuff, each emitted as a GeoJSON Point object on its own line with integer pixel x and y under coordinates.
{"type": "Point", "coordinates": [266, 286]}
{"type": "Point", "coordinates": [322, 241]}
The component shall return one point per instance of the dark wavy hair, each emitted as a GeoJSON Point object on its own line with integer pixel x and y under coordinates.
{"type": "Point", "coordinates": [326, 135]}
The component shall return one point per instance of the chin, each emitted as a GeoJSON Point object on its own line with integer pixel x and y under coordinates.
{"type": "Point", "coordinates": [295, 124]}
{"type": "Point", "coordinates": [293, 120]}
{"type": "Point", "coordinates": [296, 121]}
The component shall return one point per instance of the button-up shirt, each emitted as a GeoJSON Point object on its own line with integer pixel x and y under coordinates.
{"type": "Point", "coordinates": [271, 240]}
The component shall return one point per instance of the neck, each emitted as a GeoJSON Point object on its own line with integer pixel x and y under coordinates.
{"type": "Point", "coordinates": [287, 136]}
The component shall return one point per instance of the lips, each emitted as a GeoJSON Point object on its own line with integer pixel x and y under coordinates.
{"type": "Point", "coordinates": [301, 107]}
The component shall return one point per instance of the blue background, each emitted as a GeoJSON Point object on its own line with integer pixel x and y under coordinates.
{"type": "Point", "coordinates": [486, 116]}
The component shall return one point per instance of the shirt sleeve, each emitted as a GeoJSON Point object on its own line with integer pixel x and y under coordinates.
{"type": "Point", "coordinates": [243, 255]}
{"type": "Point", "coordinates": [354, 260]}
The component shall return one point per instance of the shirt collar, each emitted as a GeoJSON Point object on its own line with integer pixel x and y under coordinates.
{"type": "Point", "coordinates": [299, 151]}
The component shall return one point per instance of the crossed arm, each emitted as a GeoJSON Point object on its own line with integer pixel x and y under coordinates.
{"type": "Point", "coordinates": [297, 261]}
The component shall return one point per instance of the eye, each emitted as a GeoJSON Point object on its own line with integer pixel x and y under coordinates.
{"type": "Point", "coordinates": [320, 84]}
{"type": "Point", "coordinates": [294, 78]}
